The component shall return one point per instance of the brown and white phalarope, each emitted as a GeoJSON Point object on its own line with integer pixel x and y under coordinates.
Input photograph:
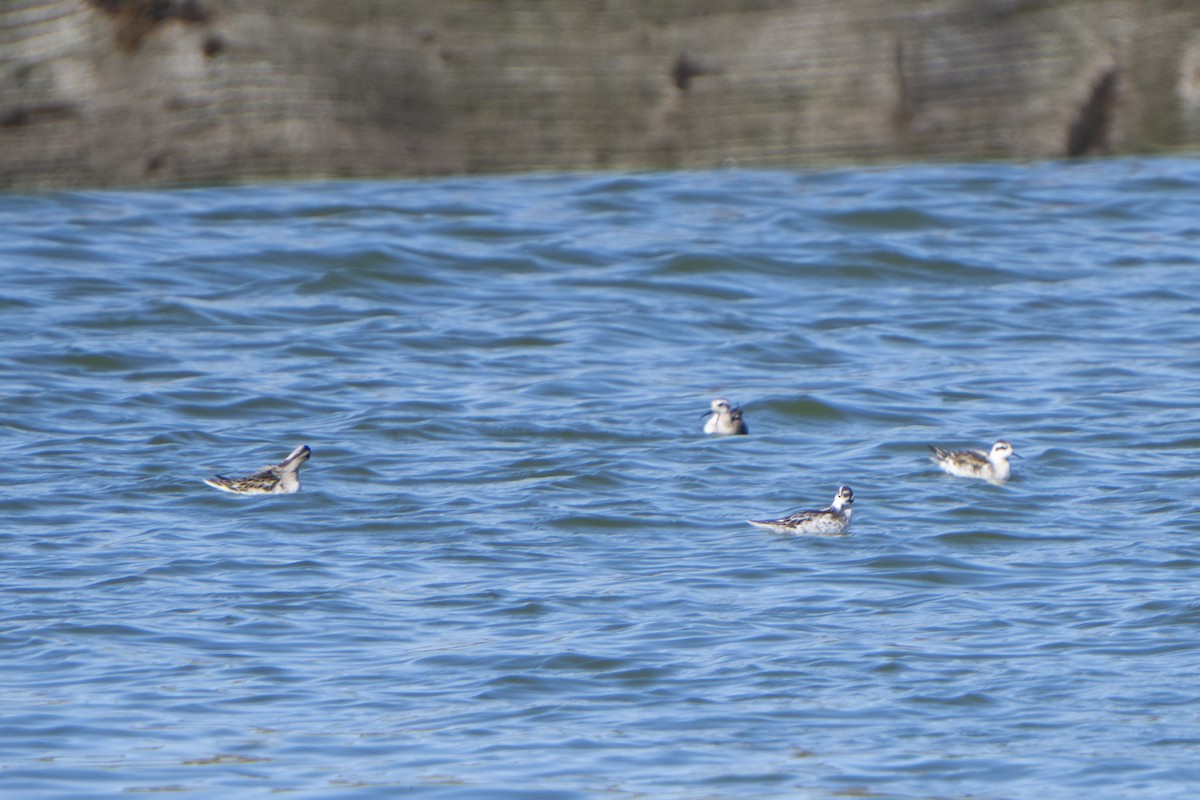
{"type": "Point", "coordinates": [283, 478]}
{"type": "Point", "coordinates": [832, 521]}
{"type": "Point", "coordinates": [991, 466]}
{"type": "Point", "coordinates": [726, 418]}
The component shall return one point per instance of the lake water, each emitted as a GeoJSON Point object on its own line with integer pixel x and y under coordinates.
{"type": "Point", "coordinates": [517, 569]}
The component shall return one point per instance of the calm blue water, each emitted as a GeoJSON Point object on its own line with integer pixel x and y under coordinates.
{"type": "Point", "coordinates": [517, 570]}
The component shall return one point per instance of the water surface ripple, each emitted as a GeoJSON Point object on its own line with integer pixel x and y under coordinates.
{"type": "Point", "coordinates": [517, 570]}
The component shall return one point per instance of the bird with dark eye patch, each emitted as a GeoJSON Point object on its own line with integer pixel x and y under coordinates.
{"type": "Point", "coordinates": [726, 419]}
{"type": "Point", "coordinates": [282, 478]}
{"type": "Point", "coordinates": [831, 521]}
{"type": "Point", "coordinates": [993, 466]}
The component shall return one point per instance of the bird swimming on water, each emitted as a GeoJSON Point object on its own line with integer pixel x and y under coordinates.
{"type": "Point", "coordinates": [991, 466]}
{"type": "Point", "coordinates": [832, 521]}
{"type": "Point", "coordinates": [283, 478]}
{"type": "Point", "coordinates": [726, 418]}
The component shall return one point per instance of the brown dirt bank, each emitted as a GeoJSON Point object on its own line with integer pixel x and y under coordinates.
{"type": "Point", "coordinates": [162, 92]}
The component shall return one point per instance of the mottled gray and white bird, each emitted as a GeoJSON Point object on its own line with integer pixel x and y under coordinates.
{"type": "Point", "coordinates": [991, 466]}
{"type": "Point", "coordinates": [283, 478]}
{"type": "Point", "coordinates": [832, 521]}
{"type": "Point", "coordinates": [726, 418]}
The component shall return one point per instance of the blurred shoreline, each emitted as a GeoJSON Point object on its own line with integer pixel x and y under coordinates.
{"type": "Point", "coordinates": [177, 92]}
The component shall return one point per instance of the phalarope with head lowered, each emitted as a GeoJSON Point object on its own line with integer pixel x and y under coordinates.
{"type": "Point", "coordinates": [726, 418]}
{"type": "Point", "coordinates": [283, 478]}
{"type": "Point", "coordinates": [832, 521]}
{"type": "Point", "coordinates": [991, 466]}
